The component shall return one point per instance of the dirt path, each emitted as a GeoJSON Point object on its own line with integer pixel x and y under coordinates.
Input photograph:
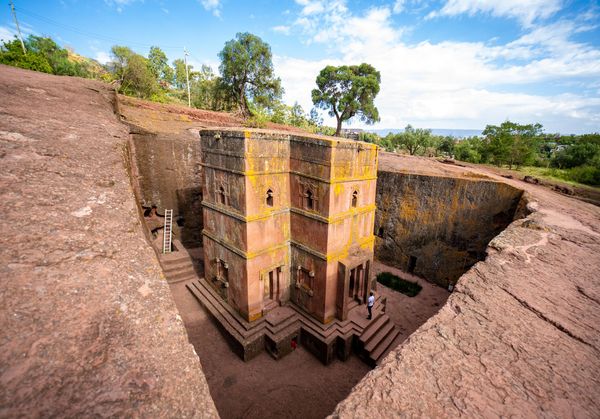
{"type": "Point", "coordinates": [298, 385]}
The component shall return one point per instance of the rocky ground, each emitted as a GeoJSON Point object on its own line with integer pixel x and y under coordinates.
{"type": "Point", "coordinates": [178, 120]}
{"type": "Point", "coordinates": [88, 327]}
{"type": "Point", "coordinates": [520, 334]}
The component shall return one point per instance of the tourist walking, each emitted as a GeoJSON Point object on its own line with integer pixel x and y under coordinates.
{"type": "Point", "coordinates": [370, 304]}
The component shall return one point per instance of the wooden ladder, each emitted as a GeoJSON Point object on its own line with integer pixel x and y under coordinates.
{"type": "Point", "coordinates": [168, 231]}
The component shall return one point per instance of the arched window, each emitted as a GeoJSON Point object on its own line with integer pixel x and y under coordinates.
{"type": "Point", "coordinates": [222, 195]}
{"type": "Point", "coordinates": [269, 197]}
{"type": "Point", "coordinates": [354, 199]}
{"type": "Point", "coordinates": [309, 200]}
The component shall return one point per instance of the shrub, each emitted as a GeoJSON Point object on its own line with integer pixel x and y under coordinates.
{"type": "Point", "coordinates": [259, 120]}
{"type": "Point", "coordinates": [590, 175]}
{"type": "Point", "coordinates": [398, 284]}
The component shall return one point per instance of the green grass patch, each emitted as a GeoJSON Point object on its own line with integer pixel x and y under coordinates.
{"type": "Point", "coordinates": [582, 176]}
{"type": "Point", "coordinates": [398, 284]}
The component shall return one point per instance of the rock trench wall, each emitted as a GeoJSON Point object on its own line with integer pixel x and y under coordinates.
{"type": "Point", "coordinates": [438, 227]}
{"type": "Point", "coordinates": [169, 175]}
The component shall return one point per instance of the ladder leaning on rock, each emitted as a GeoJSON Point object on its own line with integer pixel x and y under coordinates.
{"type": "Point", "coordinates": [168, 231]}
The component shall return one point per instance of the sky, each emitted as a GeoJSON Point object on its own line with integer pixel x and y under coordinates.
{"type": "Point", "coordinates": [444, 64]}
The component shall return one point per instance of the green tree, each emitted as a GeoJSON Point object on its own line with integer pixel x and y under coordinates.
{"type": "Point", "coordinates": [578, 154]}
{"type": "Point", "coordinates": [469, 149]}
{"type": "Point", "coordinates": [159, 66]}
{"type": "Point", "coordinates": [446, 145]}
{"type": "Point", "coordinates": [247, 69]}
{"type": "Point", "coordinates": [180, 76]}
{"type": "Point", "coordinates": [369, 137]}
{"type": "Point", "coordinates": [57, 57]}
{"type": "Point", "coordinates": [348, 91]}
{"type": "Point", "coordinates": [120, 57]}
{"type": "Point", "coordinates": [138, 80]}
{"type": "Point", "coordinates": [512, 143]}
{"type": "Point", "coordinates": [133, 72]}
{"type": "Point", "coordinates": [11, 53]}
{"type": "Point", "coordinates": [413, 140]}
{"type": "Point", "coordinates": [297, 116]}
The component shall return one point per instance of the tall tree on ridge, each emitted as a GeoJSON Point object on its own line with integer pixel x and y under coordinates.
{"type": "Point", "coordinates": [348, 91]}
{"type": "Point", "coordinates": [247, 69]}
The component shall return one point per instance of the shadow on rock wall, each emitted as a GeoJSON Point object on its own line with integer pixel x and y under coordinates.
{"type": "Point", "coordinates": [438, 227]}
{"type": "Point", "coordinates": [169, 175]}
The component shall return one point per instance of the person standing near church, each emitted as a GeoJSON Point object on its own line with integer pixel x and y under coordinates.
{"type": "Point", "coordinates": [370, 304]}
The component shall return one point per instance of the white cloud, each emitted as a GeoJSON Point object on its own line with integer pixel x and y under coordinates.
{"type": "Point", "coordinates": [213, 6]}
{"type": "Point", "coordinates": [455, 84]}
{"type": "Point", "coordinates": [526, 11]}
{"type": "Point", "coordinates": [310, 7]}
{"type": "Point", "coordinates": [398, 6]}
{"type": "Point", "coordinates": [120, 3]}
{"type": "Point", "coordinates": [285, 30]}
{"type": "Point", "coordinates": [102, 57]}
{"type": "Point", "coordinates": [6, 34]}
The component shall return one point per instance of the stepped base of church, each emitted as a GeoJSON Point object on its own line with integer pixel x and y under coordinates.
{"type": "Point", "coordinates": [282, 328]}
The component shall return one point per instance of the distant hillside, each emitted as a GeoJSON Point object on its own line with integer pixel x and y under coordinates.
{"type": "Point", "coordinates": [458, 133]}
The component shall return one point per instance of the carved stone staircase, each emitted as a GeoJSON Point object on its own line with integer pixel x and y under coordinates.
{"type": "Point", "coordinates": [178, 266]}
{"type": "Point", "coordinates": [273, 332]}
{"type": "Point", "coordinates": [378, 339]}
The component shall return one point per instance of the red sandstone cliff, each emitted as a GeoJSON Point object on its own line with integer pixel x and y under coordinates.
{"type": "Point", "coordinates": [520, 336]}
{"type": "Point", "coordinates": [87, 323]}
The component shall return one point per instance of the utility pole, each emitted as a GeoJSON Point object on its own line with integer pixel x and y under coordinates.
{"type": "Point", "coordinates": [187, 76]}
{"type": "Point", "coordinates": [12, 8]}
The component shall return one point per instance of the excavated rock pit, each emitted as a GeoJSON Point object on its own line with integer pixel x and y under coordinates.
{"type": "Point", "coordinates": [89, 326]}
{"type": "Point", "coordinates": [437, 227]}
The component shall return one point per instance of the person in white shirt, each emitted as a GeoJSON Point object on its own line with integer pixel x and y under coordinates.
{"type": "Point", "coordinates": [370, 304]}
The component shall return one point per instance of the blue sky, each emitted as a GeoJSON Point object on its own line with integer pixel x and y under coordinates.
{"type": "Point", "coordinates": [444, 63]}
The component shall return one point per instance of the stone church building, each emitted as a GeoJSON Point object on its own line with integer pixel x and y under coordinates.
{"type": "Point", "coordinates": [288, 218]}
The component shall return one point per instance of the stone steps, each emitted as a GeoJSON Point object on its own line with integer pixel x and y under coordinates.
{"type": "Point", "coordinates": [375, 324]}
{"type": "Point", "coordinates": [178, 266]}
{"type": "Point", "coordinates": [249, 337]}
{"type": "Point", "coordinates": [326, 331]}
{"type": "Point", "coordinates": [390, 342]}
{"type": "Point", "coordinates": [231, 321]}
{"type": "Point", "coordinates": [181, 272]}
{"type": "Point", "coordinates": [279, 326]}
{"type": "Point", "coordinates": [376, 340]}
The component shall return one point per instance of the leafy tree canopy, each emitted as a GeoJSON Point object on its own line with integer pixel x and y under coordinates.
{"type": "Point", "coordinates": [247, 69]}
{"type": "Point", "coordinates": [11, 53]}
{"type": "Point", "coordinates": [348, 91]}
{"type": "Point", "coordinates": [512, 143]}
{"type": "Point", "coordinates": [180, 77]}
{"type": "Point", "coordinates": [134, 73]}
{"type": "Point", "coordinates": [159, 66]}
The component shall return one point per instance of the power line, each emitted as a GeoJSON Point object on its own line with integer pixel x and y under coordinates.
{"type": "Point", "coordinates": [49, 21]}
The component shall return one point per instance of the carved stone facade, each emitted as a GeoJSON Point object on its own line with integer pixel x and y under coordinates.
{"type": "Point", "coordinates": [288, 218]}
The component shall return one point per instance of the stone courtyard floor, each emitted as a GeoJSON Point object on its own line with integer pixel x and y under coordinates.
{"type": "Point", "coordinates": [298, 385]}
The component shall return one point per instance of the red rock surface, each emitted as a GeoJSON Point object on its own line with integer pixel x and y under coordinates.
{"type": "Point", "coordinates": [178, 119]}
{"type": "Point", "coordinates": [518, 337]}
{"type": "Point", "coordinates": [88, 326]}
